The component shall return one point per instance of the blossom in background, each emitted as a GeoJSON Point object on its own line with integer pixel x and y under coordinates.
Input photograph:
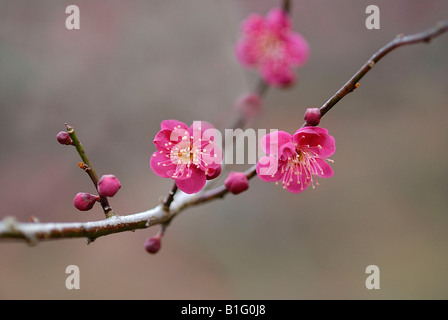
{"type": "Point", "coordinates": [188, 155]}
{"type": "Point", "coordinates": [249, 105]}
{"type": "Point", "coordinates": [296, 160]}
{"type": "Point", "coordinates": [270, 45]}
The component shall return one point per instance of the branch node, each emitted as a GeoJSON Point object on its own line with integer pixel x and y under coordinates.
{"type": "Point", "coordinates": [11, 227]}
{"type": "Point", "coordinates": [31, 240]}
{"type": "Point", "coordinates": [89, 240]}
{"type": "Point", "coordinates": [34, 219]}
{"type": "Point", "coordinates": [10, 223]}
{"type": "Point", "coordinates": [83, 166]}
{"type": "Point", "coordinates": [169, 199]}
{"type": "Point", "coordinates": [148, 223]}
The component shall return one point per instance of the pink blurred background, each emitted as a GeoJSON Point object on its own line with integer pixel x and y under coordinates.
{"type": "Point", "coordinates": [135, 63]}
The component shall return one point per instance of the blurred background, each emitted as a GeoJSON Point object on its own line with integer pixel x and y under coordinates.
{"type": "Point", "coordinates": [135, 63]}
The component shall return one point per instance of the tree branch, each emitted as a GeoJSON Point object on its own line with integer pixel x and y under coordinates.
{"type": "Point", "coordinates": [399, 41]}
{"type": "Point", "coordinates": [350, 86]}
{"type": "Point", "coordinates": [32, 232]}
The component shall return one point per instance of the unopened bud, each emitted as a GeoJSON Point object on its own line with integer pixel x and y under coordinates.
{"type": "Point", "coordinates": [237, 182]}
{"type": "Point", "coordinates": [64, 138]}
{"type": "Point", "coordinates": [85, 201]}
{"type": "Point", "coordinates": [312, 116]}
{"type": "Point", "coordinates": [250, 105]}
{"type": "Point", "coordinates": [152, 244]}
{"type": "Point", "coordinates": [108, 185]}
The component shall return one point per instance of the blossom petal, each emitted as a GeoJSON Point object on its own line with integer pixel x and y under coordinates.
{"type": "Point", "coordinates": [194, 183]}
{"type": "Point", "coordinates": [316, 139]}
{"type": "Point", "coordinates": [171, 124]}
{"type": "Point", "coordinates": [198, 128]}
{"type": "Point", "coordinates": [268, 169]}
{"type": "Point", "coordinates": [298, 49]}
{"type": "Point", "coordinates": [278, 21]}
{"type": "Point", "coordinates": [327, 170]}
{"type": "Point", "coordinates": [286, 151]}
{"type": "Point", "coordinates": [165, 139]}
{"type": "Point", "coordinates": [253, 23]}
{"type": "Point", "coordinates": [247, 52]}
{"type": "Point", "coordinates": [210, 157]}
{"type": "Point", "coordinates": [310, 129]}
{"type": "Point", "coordinates": [298, 184]}
{"type": "Point", "coordinates": [161, 164]}
{"type": "Point", "coordinates": [212, 173]}
{"type": "Point", "coordinates": [327, 146]}
{"type": "Point", "coordinates": [272, 142]}
{"type": "Point", "coordinates": [277, 73]}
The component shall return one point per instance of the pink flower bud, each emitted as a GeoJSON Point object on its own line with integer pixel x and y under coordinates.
{"type": "Point", "coordinates": [152, 244]}
{"type": "Point", "coordinates": [64, 138]}
{"type": "Point", "coordinates": [85, 201]}
{"type": "Point", "coordinates": [108, 185]}
{"type": "Point", "coordinates": [237, 182]}
{"type": "Point", "coordinates": [250, 105]}
{"type": "Point", "coordinates": [312, 116]}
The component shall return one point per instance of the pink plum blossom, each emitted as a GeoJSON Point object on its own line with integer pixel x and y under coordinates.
{"type": "Point", "coordinates": [296, 160]}
{"type": "Point", "coordinates": [270, 45]}
{"type": "Point", "coordinates": [188, 155]}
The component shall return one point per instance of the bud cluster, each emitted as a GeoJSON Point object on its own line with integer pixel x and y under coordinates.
{"type": "Point", "coordinates": [107, 186]}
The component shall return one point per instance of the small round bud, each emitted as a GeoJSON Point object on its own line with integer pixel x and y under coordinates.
{"type": "Point", "coordinates": [85, 201]}
{"type": "Point", "coordinates": [152, 244]}
{"type": "Point", "coordinates": [250, 105]}
{"type": "Point", "coordinates": [237, 182]}
{"type": "Point", "coordinates": [312, 116]}
{"type": "Point", "coordinates": [64, 138]}
{"type": "Point", "coordinates": [108, 185]}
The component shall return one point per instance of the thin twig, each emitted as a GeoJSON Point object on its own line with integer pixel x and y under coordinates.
{"type": "Point", "coordinates": [286, 6]}
{"type": "Point", "coordinates": [399, 41]}
{"type": "Point", "coordinates": [217, 193]}
{"type": "Point", "coordinates": [88, 168]}
{"type": "Point", "coordinates": [169, 199]}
